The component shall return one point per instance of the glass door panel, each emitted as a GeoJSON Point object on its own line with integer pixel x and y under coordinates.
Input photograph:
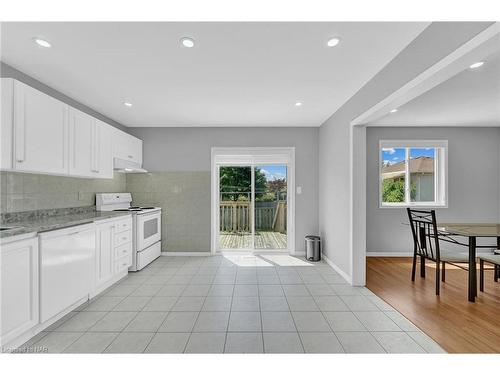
{"type": "Point", "coordinates": [235, 207]}
{"type": "Point", "coordinates": [270, 206]}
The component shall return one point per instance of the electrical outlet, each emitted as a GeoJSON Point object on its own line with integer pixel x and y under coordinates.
{"type": "Point", "coordinates": [299, 189]}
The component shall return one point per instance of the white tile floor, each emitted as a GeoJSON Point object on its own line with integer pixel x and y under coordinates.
{"type": "Point", "coordinates": [235, 304]}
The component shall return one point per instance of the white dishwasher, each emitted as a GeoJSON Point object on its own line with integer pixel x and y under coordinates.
{"type": "Point", "coordinates": [67, 268]}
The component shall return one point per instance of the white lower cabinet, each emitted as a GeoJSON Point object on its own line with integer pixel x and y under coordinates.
{"type": "Point", "coordinates": [104, 252]}
{"type": "Point", "coordinates": [19, 288]}
{"type": "Point", "coordinates": [44, 277]}
{"type": "Point", "coordinates": [113, 250]}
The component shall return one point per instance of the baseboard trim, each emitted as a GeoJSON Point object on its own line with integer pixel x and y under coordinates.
{"type": "Point", "coordinates": [185, 253]}
{"type": "Point", "coordinates": [337, 269]}
{"type": "Point", "coordinates": [388, 254]}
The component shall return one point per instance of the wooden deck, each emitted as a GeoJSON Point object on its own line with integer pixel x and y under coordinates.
{"type": "Point", "coordinates": [263, 240]}
{"type": "Point", "coordinates": [454, 323]}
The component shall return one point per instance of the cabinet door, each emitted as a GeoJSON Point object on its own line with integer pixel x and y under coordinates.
{"type": "Point", "coordinates": [127, 147]}
{"type": "Point", "coordinates": [40, 132]}
{"type": "Point", "coordinates": [104, 254]}
{"type": "Point", "coordinates": [82, 144]}
{"type": "Point", "coordinates": [135, 149]}
{"type": "Point", "coordinates": [19, 288]}
{"type": "Point", "coordinates": [7, 109]}
{"type": "Point", "coordinates": [104, 156]}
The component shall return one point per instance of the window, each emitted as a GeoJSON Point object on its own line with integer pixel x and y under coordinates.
{"type": "Point", "coordinates": [413, 173]}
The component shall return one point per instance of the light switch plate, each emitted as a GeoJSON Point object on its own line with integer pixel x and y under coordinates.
{"type": "Point", "coordinates": [81, 195]}
{"type": "Point", "coordinates": [299, 189]}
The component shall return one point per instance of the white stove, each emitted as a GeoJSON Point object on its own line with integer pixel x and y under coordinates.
{"type": "Point", "coordinates": [146, 226]}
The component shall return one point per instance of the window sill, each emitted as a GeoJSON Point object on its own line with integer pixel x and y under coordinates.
{"type": "Point", "coordinates": [416, 206]}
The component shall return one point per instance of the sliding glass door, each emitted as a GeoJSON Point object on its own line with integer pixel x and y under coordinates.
{"type": "Point", "coordinates": [235, 207]}
{"type": "Point", "coordinates": [252, 204]}
{"type": "Point", "coordinates": [270, 209]}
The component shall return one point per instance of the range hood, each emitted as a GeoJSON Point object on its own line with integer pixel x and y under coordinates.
{"type": "Point", "coordinates": [127, 166]}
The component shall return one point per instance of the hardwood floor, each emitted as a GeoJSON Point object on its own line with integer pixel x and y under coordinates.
{"type": "Point", "coordinates": [454, 323]}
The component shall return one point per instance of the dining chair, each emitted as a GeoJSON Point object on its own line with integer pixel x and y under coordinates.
{"type": "Point", "coordinates": [493, 259]}
{"type": "Point", "coordinates": [426, 245]}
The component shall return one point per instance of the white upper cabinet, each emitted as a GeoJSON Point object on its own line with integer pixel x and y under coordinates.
{"type": "Point", "coordinates": [104, 153]}
{"type": "Point", "coordinates": [82, 144]}
{"type": "Point", "coordinates": [7, 91]}
{"type": "Point", "coordinates": [127, 147]}
{"type": "Point", "coordinates": [89, 146]}
{"type": "Point", "coordinates": [40, 132]}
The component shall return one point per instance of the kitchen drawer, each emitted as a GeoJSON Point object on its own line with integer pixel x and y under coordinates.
{"type": "Point", "coordinates": [123, 225]}
{"type": "Point", "coordinates": [123, 250]}
{"type": "Point", "coordinates": [123, 237]}
{"type": "Point", "coordinates": [123, 263]}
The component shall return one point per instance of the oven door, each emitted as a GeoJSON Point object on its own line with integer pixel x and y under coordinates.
{"type": "Point", "coordinates": [148, 230]}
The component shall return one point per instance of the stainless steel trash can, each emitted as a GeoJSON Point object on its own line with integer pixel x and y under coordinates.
{"type": "Point", "coordinates": [313, 248]}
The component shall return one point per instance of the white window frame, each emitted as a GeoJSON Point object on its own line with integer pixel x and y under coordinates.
{"type": "Point", "coordinates": [253, 156]}
{"type": "Point", "coordinates": [440, 168]}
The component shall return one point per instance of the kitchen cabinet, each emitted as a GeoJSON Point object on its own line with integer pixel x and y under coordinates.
{"type": "Point", "coordinates": [7, 92]}
{"type": "Point", "coordinates": [19, 288]}
{"type": "Point", "coordinates": [113, 246]}
{"type": "Point", "coordinates": [67, 265]}
{"type": "Point", "coordinates": [82, 144]}
{"type": "Point", "coordinates": [127, 147]}
{"type": "Point", "coordinates": [104, 152]}
{"type": "Point", "coordinates": [104, 252]}
{"type": "Point", "coordinates": [90, 146]}
{"type": "Point", "coordinates": [40, 132]}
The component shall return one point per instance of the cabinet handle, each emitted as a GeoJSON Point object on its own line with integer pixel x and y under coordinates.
{"type": "Point", "coordinates": [130, 156]}
{"type": "Point", "coordinates": [124, 264]}
{"type": "Point", "coordinates": [124, 238]}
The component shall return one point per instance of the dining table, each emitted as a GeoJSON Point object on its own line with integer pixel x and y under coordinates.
{"type": "Point", "coordinates": [473, 232]}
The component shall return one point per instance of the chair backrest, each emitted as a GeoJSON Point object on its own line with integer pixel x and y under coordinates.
{"type": "Point", "coordinates": [424, 231]}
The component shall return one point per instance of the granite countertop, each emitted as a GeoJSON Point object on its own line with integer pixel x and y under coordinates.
{"type": "Point", "coordinates": [39, 221]}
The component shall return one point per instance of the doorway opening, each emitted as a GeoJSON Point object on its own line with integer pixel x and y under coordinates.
{"type": "Point", "coordinates": [252, 208]}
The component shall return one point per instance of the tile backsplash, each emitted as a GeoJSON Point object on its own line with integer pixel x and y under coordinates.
{"type": "Point", "coordinates": [26, 191]}
{"type": "Point", "coordinates": [185, 201]}
{"type": "Point", "coordinates": [183, 196]}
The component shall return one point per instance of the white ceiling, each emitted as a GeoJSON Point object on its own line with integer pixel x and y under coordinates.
{"type": "Point", "coordinates": [238, 74]}
{"type": "Point", "coordinates": [470, 98]}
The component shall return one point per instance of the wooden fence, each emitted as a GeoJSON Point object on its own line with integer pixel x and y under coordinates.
{"type": "Point", "coordinates": [237, 216]}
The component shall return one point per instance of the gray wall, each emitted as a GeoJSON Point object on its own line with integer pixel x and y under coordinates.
{"type": "Point", "coordinates": [185, 154]}
{"type": "Point", "coordinates": [7, 71]}
{"type": "Point", "coordinates": [335, 219]}
{"type": "Point", "coordinates": [27, 191]}
{"type": "Point", "coordinates": [473, 182]}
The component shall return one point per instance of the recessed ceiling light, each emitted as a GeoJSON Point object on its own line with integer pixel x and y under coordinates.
{"type": "Point", "coordinates": [477, 65]}
{"type": "Point", "coordinates": [42, 42]}
{"type": "Point", "coordinates": [332, 42]}
{"type": "Point", "coordinates": [127, 104]}
{"type": "Point", "coordinates": [187, 42]}
{"type": "Point", "coordinates": [298, 104]}
{"type": "Point", "coordinates": [393, 110]}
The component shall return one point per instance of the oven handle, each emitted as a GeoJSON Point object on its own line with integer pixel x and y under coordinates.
{"type": "Point", "coordinates": [149, 215]}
